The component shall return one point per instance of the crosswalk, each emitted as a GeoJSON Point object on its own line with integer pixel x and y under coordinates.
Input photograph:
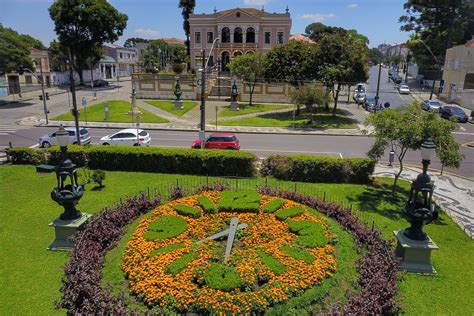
{"type": "Point", "coordinates": [10, 129]}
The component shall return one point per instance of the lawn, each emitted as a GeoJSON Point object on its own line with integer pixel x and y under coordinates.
{"type": "Point", "coordinates": [168, 106]}
{"type": "Point", "coordinates": [117, 113]}
{"type": "Point", "coordinates": [285, 119]}
{"type": "Point", "coordinates": [254, 108]}
{"type": "Point", "coordinates": [30, 276]}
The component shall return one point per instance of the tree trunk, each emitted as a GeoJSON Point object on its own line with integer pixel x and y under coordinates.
{"type": "Point", "coordinates": [336, 97]}
{"type": "Point", "coordinates": [348, 93]}
{"type": "Point", "coordinates": [188, 50]}
{"type": "Point", "coordinates": [251, 88]}
{"type": "Point", "coordinates": [326, 105]}
{"type": "Point", "coordinates": [400, 161]}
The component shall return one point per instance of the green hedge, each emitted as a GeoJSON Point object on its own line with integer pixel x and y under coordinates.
{"type": "Point", "coordinates": [306, 168]}
{"type": "Point", "coordinates": [186, 210]}
{"type": "Point", "coordinates": [146, 159]}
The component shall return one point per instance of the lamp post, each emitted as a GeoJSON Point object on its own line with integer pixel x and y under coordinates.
{"type": "Point", "coordinates": [234, 106]}
{"type": "Point", "coordinates": [45, 109]}
{"type": "Point", "coordinates": [178, 103]}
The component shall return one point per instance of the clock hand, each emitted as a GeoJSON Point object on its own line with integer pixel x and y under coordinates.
{"type": "Point", "coordinates": [230, 239]}
{"type": "Point", "coordinates": [223, 233]}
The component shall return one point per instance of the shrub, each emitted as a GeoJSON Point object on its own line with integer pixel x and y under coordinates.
{"type": "Point", "coordinates": [274, 205]}
{"type": "Point", "coordinates": [289, 212]}
{"type": "Point", "coordinates": [311, 234]}
{"type": "Point", "coordinates": [166, 249]}
{"type": "Point", "coordinates": [206, 204]}
{"type": "Point", "coordinates": [179, 264]}
{"type": "Point", "coordinates": [222, 277]}
{"type": "Point", "coordinates": [98, 176]}
{"type": "Point", "coordinates": [272, 263]}
{"type": "Point", "coordinates": [239, 201]}
{"type": "Point", "coordinates": [166, 227]}
{"type": "Point", "coordinates": [186, 210]}
{"type": "Point", "coordinates": [306, 168]}
{"type": "Point", "coordinates": [298, 254]}
{"type": "Point", "coordinates": [25, 155]}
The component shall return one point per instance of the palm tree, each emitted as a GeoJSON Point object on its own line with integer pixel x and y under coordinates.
{"type": "Point", "coordinates": [187, 7]}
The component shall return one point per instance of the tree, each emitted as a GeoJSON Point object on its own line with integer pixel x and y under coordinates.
{"type": "Point", "coordinates": [440, 24]}
{"type": "Point", "coordinates": [249, 68]}
{"type": "Point", "coordinates": [58, 56]}
{"type": "Point", "coordinates": [98, 177]}
{"type": "Point", "coordinates": [315, 30]}
{"type": "Point", "coordinates": [309, 96]}
{"type": "Point", "coordinates": [375, 56]}
{"type": "Point", "coordinates": [406, 129]}
{"type": "Point", "coordinates": [83, 26]}
{"type": "Point", "coordinates": [132, 41]}
{"type": "Point", "coordinates": [15, 50]}
{"type": "Point", "coordinates": [187, 7]}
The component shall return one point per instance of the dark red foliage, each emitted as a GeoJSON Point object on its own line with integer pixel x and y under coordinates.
{"type": "Point", "coordinates": [377, 269]}
{"type": "Point", "coordinates": [82, 293]}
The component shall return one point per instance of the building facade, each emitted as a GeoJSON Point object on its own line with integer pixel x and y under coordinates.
{"type": "Point", "coordinates": [241, 31]}
{"type": "Point", "coordinates": [458, 75]}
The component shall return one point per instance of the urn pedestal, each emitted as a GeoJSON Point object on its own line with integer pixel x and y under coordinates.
{"type": "Point", "coordinates": [178, 104]}
{"type": "Point", "coordinates": [234, 106]}
{"type": "Point", "coordinates": [63, 229]}
{"type": "Point", "coordinates": [415, 254]}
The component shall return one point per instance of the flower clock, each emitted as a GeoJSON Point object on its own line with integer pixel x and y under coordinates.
{"type": "Point", "coordinates": [229, 252]}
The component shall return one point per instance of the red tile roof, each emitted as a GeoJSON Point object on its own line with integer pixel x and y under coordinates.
{"type": "Point", "coordinates": [470, 43]}
{"type": "Point", "coordinates": [173, 41]}
{"type": "Point", "coordinates": [301, 37]}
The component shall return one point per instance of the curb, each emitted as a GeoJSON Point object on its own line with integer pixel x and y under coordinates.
{"type": "Point", "coordinates": [384, 164]}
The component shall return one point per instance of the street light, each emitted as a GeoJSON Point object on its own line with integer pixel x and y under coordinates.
{"type": "Point", "coordinates": [45, 109]}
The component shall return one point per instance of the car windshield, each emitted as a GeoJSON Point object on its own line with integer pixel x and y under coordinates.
{"type": "Point", "coordinates": [404, 87]}
{"type": "Point", "coordinates": [457, 110]}
{"type": "Point", "coordinates": [370, 99]}
{"type": "Point", "coordinates": [434, 103]}
{"type": "Point", "coordinates": [83, 131]}
{"type": "Point", "coordinates": [143, 133]}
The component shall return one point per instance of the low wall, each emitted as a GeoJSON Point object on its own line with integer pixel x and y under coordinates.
{"type": "Point", "coordinates": [268, 92]}
{"type": "Point", "coordinates": [149, 86]}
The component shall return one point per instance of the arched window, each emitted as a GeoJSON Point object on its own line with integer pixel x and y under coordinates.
{"type": "Point", "coordinates": [249, 53]}
{"type": "Point", "coordinates": [225, 36]}
{"type": "Point", "coordinates": [250, 36]}
{"type": "Point", "coordinates": [237, 53]}
{"type": "Point", "coordinates": [238, 35]}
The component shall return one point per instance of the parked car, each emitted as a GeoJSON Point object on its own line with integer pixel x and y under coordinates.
{"type": "Point", "coordinates": [359, 97]}
{"type": "Point", "coordinates": [403, 89]}
{"type": "Point", "coordinates": [448, 111]}
{"type": "Point", "coordinates": [127, 137]}
{"type": "Point", "coordinates": [396, 78]}
{"type": "Point", "coordinates": [219, 141]}
{"type": "Point", "coordinates": [369, 103]}
{"type": "Point", "coordinates": [100, 83]}
{"type": "Point", "coordinates": [360, 87]}
{"type": "Point", "coordinates": [431, 105]}
{"type": "Point", "coordinates": [50, 139]}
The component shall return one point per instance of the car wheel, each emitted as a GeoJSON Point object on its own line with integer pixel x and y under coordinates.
{"type": "Point", "coordinates": [45, 145]}
{"type": "Point", "coordinates": [105, 144]}
{"type": "Point", "coordinates": [75, 143]}
{"type": "Point", "coordinates": [136, 145]}
{"type": "Point", "coordinates": [230, 148]}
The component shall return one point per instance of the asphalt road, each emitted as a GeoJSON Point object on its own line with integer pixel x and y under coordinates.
{"type": "Point", "coordinates": [263, 145]}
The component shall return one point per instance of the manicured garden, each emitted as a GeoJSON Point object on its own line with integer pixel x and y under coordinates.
{"type": "Point", "coordinates": [117, 113]}
{"type": "Point", "coordinates": [169, 106]}
{"type": "Point", "coordinates": [285, 119]}
{"type": "Point", "coordinates": [254, 108]}
{"type": "Point", "coordinates": [31, 276]}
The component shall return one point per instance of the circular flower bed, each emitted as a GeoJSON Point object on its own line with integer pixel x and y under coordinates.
{"type": "Point", "coordinates": [282, 249]}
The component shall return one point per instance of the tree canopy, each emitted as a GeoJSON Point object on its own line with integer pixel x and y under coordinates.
{"type": "Point", "coordinates": [187, 7]}
{"type": "Point", "coordinates": [132, 41]}
{"type": "Point", "coordinates": [375, 56]}
{"type": "Point", "coordinates": [249, 68]}
{"type": "Point", "coordinates": [15, 50]}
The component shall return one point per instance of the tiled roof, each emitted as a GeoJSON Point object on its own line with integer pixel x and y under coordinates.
{"type": "Point", "coordinates": [173, 41]}
{"type": "Point", "coordinates": [470, 43]}
{"type": "Point", "coordinates": [301, 38]}
{"type": "Point", "coordinates": [251, 11]}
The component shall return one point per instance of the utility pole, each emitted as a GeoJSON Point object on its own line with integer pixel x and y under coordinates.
{"type": "Point", "coordinates": [202, 130]}
{"type": "Point", "coordinates": [75, 113]}
{"type": "Point", "coordinates": [432, 89]}
{"type": "Point", "coordinates": [378, 87]}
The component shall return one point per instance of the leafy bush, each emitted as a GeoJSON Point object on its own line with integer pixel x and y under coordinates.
{"type": "Point", "coordinates": [166, 227]}
{"type": "Point", "coordinates": [306, 168]}
{"type": "Point", "coordinates": [239, 201]}
{"type": "Point", "coordinates": [179, 264]}
{"type": "Point", "coordinates": [206, 204]}
{"type": "Point", "coordinates": [187, 210]}
{"type": "Point", "coordinates": [272, 263]}
{"type": "Point", "coordinates": [146, 159]}
{"type": "Point", "coordinates": [274, 205]}
{"type": "Point", "coordinates": [166, 249]}
{"type": "Point", "coordinates": [81, 290]}
{"type": "Point", "coordinates": [311, 234]}
{"type": "Point", "coordinates": [98, 176]}
{"type": "Point", "coordinates": [222, 277]}
{"type": "Point", "coordinates": [298, 254]}
{"type": "Point", "coordinates": [289, 212]}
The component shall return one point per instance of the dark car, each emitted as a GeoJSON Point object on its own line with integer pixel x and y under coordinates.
{"type": "Point", "coordinates": [396, 78]}
{"type": "Point", "coordinates": [219, 141]}
{"type": "Point", "coordinates": [448, 111]}
{"type": "Point", "coordinates": [369, 103]}
{"type": "Point", "coordinates": [100, 83]}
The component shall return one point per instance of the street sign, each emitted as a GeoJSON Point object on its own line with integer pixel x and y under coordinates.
{"type": "Point", "coordinates": [106, 111]}
{"type": "Point", "coordinates": [84, 101]}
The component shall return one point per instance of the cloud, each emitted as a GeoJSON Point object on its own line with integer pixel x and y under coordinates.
{"type": "Point", "coordinates": [147, 33]}
{"type": "Point", "coordinates": [353, 6]}
{"type": "Point", "coordinates": [317, 17]}
{"type": "Point", "coordinates": [256, 2]}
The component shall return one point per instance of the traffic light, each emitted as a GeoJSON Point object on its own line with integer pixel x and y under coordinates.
{"type": "Point", "coordinates": [47, 95]}
{"type": "Point", "coordinates": [41, 97]}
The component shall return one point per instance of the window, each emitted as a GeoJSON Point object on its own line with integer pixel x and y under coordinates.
{"type": "Point", "coordinates": [197, 37]}
{"type": "Point", "coordinates": [250, 35]}
{"type": "Point", "coordinates": [469, 81]}
{"type": "Point", "coordinates": [238, 35]}
{"type": "Point", "coordinates": [280, 38]}
{"type": "Point", "coordinates": [225, 35]}
{"type": "Point", "coordinates": [143, 133]}
{"type": "Point", "coordinates": [28, 80]}
{"type": "Point", "coordinates": [268, 36]}
{"type": "Point", "coordinates": [83, 131]}
{"type": "Point", "coordinates": [210, 37]}
{"type": "Point", "coordinates": [121, 55]}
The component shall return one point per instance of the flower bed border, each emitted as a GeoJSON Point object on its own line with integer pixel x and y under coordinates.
{"type": "Point", "coordinates": [82, 292]}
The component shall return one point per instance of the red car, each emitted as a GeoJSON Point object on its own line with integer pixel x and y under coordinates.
{"type": "Point", "coordinates": [219, 141]}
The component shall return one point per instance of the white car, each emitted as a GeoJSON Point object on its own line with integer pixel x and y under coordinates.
{"type": "Point", "coordinates": [49, 140]}
{"type": "Point", "coordinates": [127, 137]}
{"type": "Point", "coordinates": [403, 89]}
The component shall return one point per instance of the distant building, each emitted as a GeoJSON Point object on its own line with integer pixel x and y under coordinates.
{"type": "Point", "coordinates": [458, 75]}
{"type": "Point", "coordinates": [241, 31]}
{"type": "Point", "coordinates": [118, 61]}
{"type": "Point", "coordinates": [301, 38]}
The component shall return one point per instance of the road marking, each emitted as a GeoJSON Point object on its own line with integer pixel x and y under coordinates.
{"type": "Point", "coordinates": [34, 146]}
{"type": "Point", "coordinates": [468, 144]}
{"type": "Point", "coordinates": [296, 151]}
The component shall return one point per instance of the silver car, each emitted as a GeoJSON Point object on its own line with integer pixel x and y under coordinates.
{"type": "Point", "coordinates": [127, 137]}
{"type": "Point", "coordinates": [433, 105]}
{"type": "Point", "coordinates": [49, 140]}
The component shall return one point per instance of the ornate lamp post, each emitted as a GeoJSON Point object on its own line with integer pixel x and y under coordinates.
{"type": "Point", "coordinates": [178, 103]}
{"type": "Point", "coordinates": [234, 106]}
{"type": "Point", "coordinates": [414, 246]}
{"type": "Point", "coordinates": [67, 193]}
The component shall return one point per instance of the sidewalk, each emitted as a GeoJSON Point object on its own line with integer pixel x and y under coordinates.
{"type": "Point", "coordinates": [453, 194]}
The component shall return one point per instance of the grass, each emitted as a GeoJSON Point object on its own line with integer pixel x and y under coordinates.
{"type": "Point", "coordinates": [117, 113]}
{"type": "Point", "coordinates": [168, 106]}
{"type": "Point", "coordinates": [285, 119]}
{"type": "Point", "coordinates": [254, 108]}
{"type": "Point", "coordinates": [30, 276]}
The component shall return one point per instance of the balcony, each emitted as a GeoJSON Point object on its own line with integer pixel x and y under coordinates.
{"type": "Point", "coordinates": [238, 45]}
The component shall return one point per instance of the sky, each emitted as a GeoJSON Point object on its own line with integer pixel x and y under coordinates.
{"type": "Point", "coordinates": [376, 19]}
